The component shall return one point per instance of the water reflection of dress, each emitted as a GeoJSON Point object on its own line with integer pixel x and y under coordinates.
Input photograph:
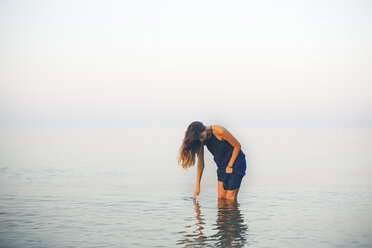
{"type": "Point", "coordinates": [230, 226]}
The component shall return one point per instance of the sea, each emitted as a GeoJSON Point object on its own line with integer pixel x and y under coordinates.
{"type": "Point", "coordinates": [123, 187]}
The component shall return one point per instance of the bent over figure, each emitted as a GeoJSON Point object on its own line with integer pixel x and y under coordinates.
{"type": "Point", "coordinates": [230, 159]}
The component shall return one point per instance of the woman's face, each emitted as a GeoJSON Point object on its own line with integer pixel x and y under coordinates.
{"type": "Point", "coordinates": [203, 136]}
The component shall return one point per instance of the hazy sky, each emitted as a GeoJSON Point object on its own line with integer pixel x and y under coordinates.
{"type": "Point", "coordinates": [301, 63]}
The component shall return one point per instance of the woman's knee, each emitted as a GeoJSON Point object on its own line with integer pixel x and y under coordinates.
{"type": "Point", "coordinates": [231, 198]}
{"type": "Point", "coordinates": [232, 194]}
{"type": "Point", "coordinates": [221, 196]}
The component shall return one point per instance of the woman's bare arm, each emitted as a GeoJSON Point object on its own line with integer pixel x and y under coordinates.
{"type": "Point", "coordinates": [199, 170]}
{"type": "Point", "coordinates": [226, 135]}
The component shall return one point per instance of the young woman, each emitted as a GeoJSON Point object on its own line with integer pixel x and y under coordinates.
{"type": "Point", "coordinates": [226, 151]}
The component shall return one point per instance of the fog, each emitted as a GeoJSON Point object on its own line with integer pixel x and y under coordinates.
{"type": "Point", "coordinates": [125, 63]}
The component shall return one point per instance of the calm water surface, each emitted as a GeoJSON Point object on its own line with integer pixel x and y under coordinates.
{"type": "Point", "coordinates": [98, 188]}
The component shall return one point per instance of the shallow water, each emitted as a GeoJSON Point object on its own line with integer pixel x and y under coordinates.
{"type": "Point", "coordinates": [84, 189]}
{"type": "Point", "coordinates": [263, 218]}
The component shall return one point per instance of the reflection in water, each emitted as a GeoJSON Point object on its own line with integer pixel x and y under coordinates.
{"type": "Point", "coordinates": [197, 237]}
{"type": "Point", "coordinates": [231, 229]}
{"type": "Point", "coordinates": [230, 226]}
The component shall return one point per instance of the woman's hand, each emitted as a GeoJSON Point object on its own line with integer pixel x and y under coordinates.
{"type": "Point", "coordinates": [228, 170]}
{"type": "Point", "coordinates": [196, 192]}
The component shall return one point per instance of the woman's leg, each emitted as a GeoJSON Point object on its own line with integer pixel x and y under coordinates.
{"type": "Point", "coordinates": [234, 181]}
{"type": "Point", "coordinates": [221, 191]}
{"type": "Point", "coordinates": [232, 194]}
{"type": "Point", "coordinates": [227, 194]}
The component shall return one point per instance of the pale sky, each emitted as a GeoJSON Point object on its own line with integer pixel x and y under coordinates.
{"type": "Point", "coordinates": [263, 63]}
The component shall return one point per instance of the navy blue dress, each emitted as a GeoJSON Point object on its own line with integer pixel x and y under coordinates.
{"type": "Point", "coordinates": [222, 151]}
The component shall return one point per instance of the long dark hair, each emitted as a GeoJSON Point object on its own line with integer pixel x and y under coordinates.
{"type": "Point", "coordinates": [191, 144]}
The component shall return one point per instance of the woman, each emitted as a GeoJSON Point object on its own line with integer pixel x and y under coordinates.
{"type": "Point", "coordinates": [228, 156]}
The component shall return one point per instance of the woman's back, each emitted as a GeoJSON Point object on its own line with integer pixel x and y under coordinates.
{"type": "Point", "coordinates": [222, 151]}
